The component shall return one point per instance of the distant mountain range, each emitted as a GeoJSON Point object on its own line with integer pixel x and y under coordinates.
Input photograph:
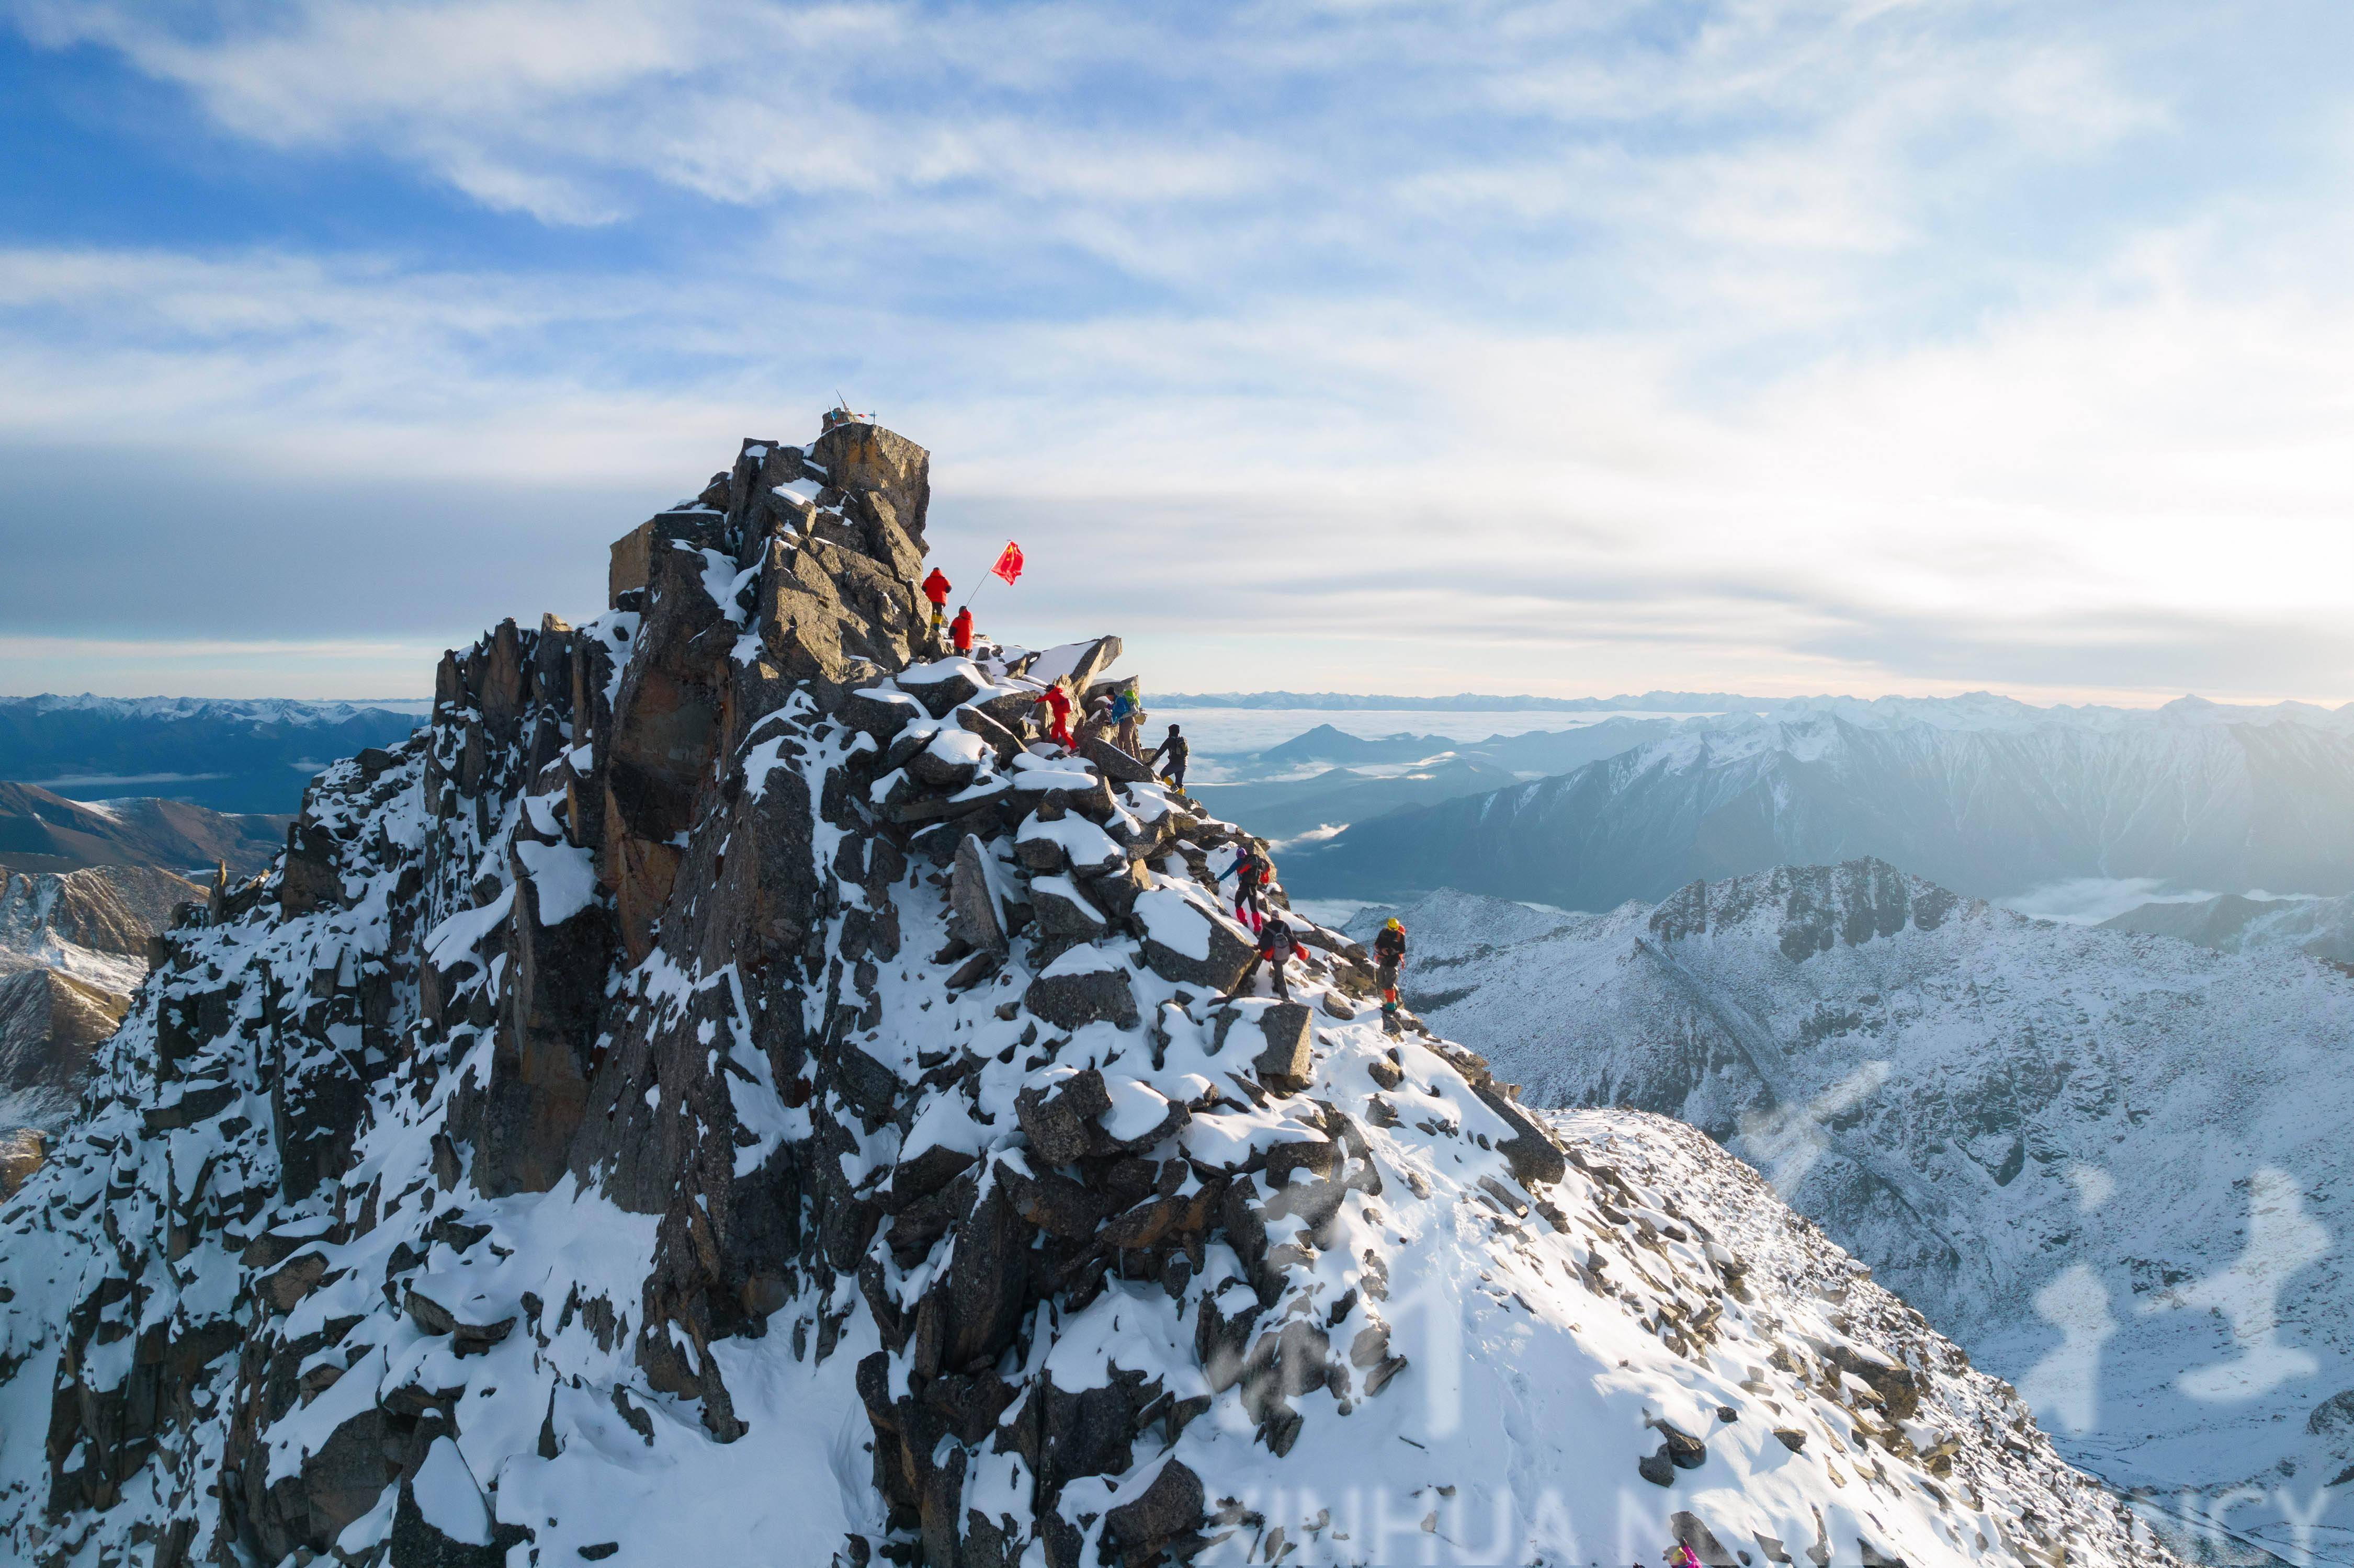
{"type": "Point", "coordinates": [1462, 703]}
{"type": "Point", "coordinates": [1984, 795]}
{"type": "Point", "coordinates": [2103, 1162]}
{"type": "Point", "coordinates": [229, 756]}
{"type": "Point", "coordinates": [1294, 788]}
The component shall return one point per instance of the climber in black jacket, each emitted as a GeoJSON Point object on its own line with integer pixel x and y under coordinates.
{"type": "Point", "coordinates": [1252, 872]}
{"type": "Point", "coordinates": [1174, 748]}
{"type": "Point", "coordinates": [1389, 956]}
{"type": "Point", "coordinates": [1276, 948]}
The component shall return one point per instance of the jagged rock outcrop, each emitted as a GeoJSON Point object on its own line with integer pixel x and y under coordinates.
{"type": "Point", "coordinates": [725, 1091]}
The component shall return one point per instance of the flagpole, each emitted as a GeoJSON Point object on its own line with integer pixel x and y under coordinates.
{"type": "Point", "coordinates": [986, 577]}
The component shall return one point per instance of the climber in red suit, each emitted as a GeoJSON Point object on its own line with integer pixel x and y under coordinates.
{"type": "Point", "coordinates": [935, 588]}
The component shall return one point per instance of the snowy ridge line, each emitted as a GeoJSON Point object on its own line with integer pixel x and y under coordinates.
{"type": "Point", "coordinates": [250, 710]}
{"type": "Point", "coordinates": [725, 1092]}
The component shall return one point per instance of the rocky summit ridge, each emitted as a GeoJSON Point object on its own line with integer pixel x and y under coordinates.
{"type": "Point", "coordinates": [721, 1094]}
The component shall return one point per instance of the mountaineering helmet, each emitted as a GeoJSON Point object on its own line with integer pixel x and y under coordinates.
{"type": "Point", "coordinates": [1392, 925]}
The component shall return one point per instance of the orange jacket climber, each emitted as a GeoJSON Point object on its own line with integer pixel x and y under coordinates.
{"type": "Point", "coordinates": [960, 630]}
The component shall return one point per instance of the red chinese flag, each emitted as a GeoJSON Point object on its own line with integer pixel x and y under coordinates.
{"type": "Point", "coordinates": [1009, 563]}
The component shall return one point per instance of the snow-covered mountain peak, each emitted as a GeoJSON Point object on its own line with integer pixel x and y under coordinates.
{"type": "Point", "coordinates": [725, 1091]}
{"type": "Point", "coordinates": [1810, 909]}
{"type": "Point", "coordinates": [2110, 1162]}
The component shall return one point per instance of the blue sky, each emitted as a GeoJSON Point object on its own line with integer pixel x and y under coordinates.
{"type": "Point", "coordinates": [1578, 349]}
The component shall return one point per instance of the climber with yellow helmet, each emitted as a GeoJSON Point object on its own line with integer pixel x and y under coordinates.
{"type": "Point", "coordinates": [1389, 956]}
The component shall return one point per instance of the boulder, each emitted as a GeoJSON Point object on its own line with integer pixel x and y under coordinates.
{"type": "Point", "coordinates": [949, 760]}
{"type": "Point", "coordinates": [1168, 1509]}
{"type": "Point", "coordinates": [630, 568]}
{"type": "Point", "coordinates": [1141, 1115]}
{"type": "Point", "coordinates": [1899, 1391]}
{"type": "Point", "coordinates": [1084, 986]}
{"type": "Point", "coordinates": [1700, 1538]}
{"type": "Point", "coordinates": [1284, 1059]}
{"type": "Point", "coordinates": [1060, 1118]}
{"type": "Point", "coordinates": [440, 1519]}
{"type": "Point", "coordinates": [1685, 1451]}
{"type": "Point", "coordinates": [943, 684]}
{"type": "Point", "coordinates": [1056, 1204]}
{"type": "Point", "coordinates": [1076, 997]}
{"type": "Point", "coordinates": [312, 878]}
{"type": "Point", "coordinates": [863, 458]}
{"type": "Point", "coordinates": [1536, 1160]}
{"type": "Point", "coordinates": [1013, 709]}
{"type": "Point", "coordinates": [285, 1286]}
{"type": "Point", "coordinates": [1115, 889]}
{"type": "Point", "coordinates": [982, 1300]}
{"type": "Point", "coordinates": [1187, 943]}
{"type": "Point", "coordinates": [1656, 1468]}
{"type": "Point", "coordinates": [470, 1328]}
{"type": "Point", "coordinates": [976, 912]}
{"type": "Point", "coordinates": [999, 738]}
{"type": "Point", "coordinates": [1077, 663]}
{"type": "Point", "coordinates": [1115, 764]}
{"type": "Point", "coordinates": [1062, 910]}
{"type": "Point", "coordinates": [879, 712]}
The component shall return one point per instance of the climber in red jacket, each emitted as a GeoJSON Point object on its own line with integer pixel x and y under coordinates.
{"type": "Point", "coordinates": [961, 630]}
{"type": "Point", "coordinates": [935, 588]}
{"type": "Point", "coordinates": [1058, 708]}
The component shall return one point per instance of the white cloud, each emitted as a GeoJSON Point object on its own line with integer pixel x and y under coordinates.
{"type": "Point", "coordinates": [1780, 347]}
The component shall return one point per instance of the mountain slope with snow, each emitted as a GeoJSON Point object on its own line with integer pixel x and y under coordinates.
{"type": "Point", "coordinates": [2111, 1164]}
{"type": "Point", "coordinates": [43, 831]}
{"type": "Point", "coordinates": [72, 949]}
{"type": "Point", "coordinates": [1991, 808]}
{"type": "Point", "coordinates": [721, 1094]}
